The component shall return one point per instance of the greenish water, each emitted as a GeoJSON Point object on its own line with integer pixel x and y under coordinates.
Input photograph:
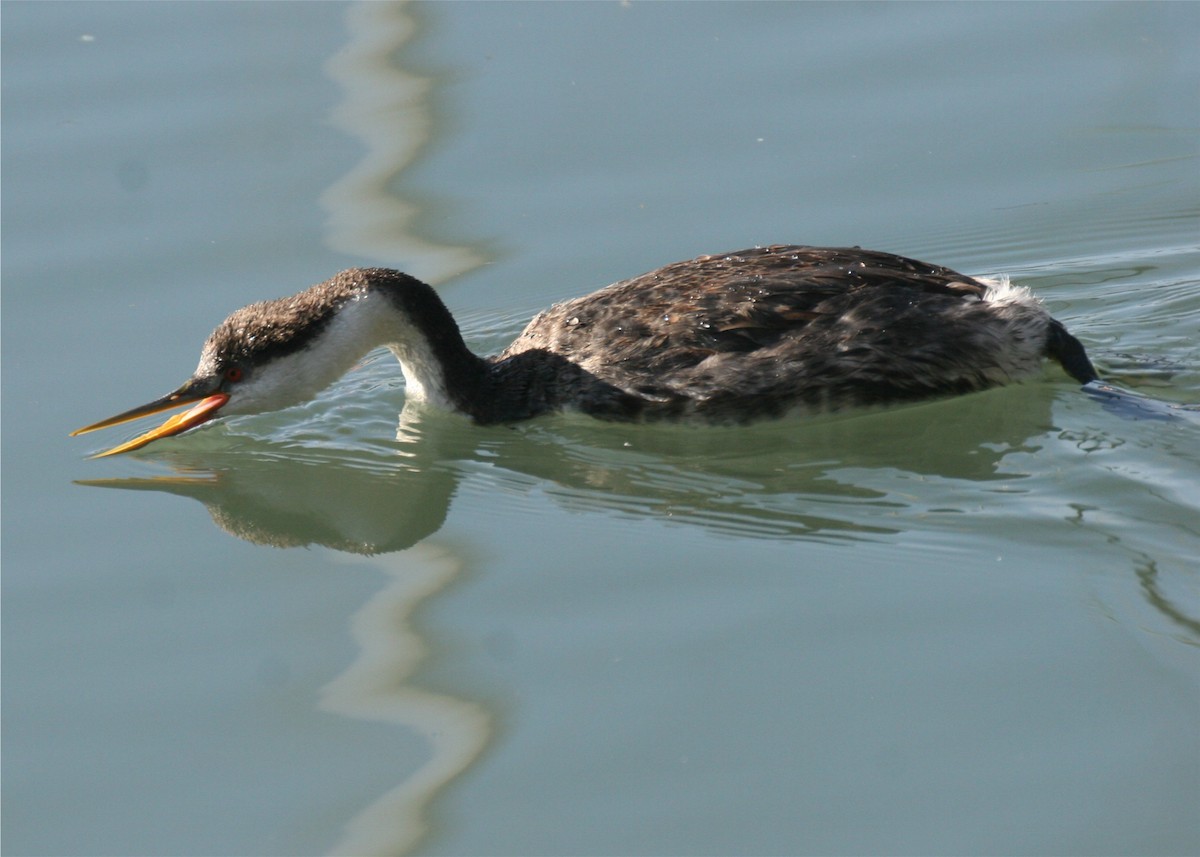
{"type": "Point", "coordinates": [967, 626]}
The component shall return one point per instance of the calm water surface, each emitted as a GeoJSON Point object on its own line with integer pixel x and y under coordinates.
{"type": "Point", "coordinates": [968, 626]}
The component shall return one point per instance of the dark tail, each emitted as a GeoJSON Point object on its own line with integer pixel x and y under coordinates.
{"type": "Point", "coordinates": [1067, 350]}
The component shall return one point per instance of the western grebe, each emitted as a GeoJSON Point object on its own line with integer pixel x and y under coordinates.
{"type": "Point", "coordinates": [720, 339]}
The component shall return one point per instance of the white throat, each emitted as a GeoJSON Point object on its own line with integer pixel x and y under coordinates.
{"type": "Point", "coordinates": [361, 325]}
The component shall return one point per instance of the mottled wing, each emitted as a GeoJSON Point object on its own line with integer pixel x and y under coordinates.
{"type": "Point", "coordinates": [677, 316]}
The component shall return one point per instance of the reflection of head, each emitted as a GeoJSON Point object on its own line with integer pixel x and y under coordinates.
{"type": "Point", "coordinates": [283, 501]}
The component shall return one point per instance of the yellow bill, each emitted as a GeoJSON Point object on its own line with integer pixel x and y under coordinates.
{"type": "Point", "coordinates": [204, 411]}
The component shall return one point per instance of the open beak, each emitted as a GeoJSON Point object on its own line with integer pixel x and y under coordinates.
{"type": "Point", "coordinates": [209, 404]}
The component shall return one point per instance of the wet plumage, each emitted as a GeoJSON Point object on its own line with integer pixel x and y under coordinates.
{"type": "Point", "coordinates": [760, 332]}
{"type": "Point", "coordinates": [727, 338]}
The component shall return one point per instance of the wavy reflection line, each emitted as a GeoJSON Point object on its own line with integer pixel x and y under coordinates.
{"type": "Point", "coordinates": [388, 109]}
{"type": "Point", "coordinates": [1148, 578]}
{"type": "Point", "coordinates": [374, 688]}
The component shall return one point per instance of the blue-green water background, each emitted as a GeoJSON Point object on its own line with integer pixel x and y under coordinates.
{"type": "Point", "coordinates": [964, 627]}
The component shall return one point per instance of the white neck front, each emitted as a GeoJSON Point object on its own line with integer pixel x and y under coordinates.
{"type": "Point", "coordinates": [361, 325]}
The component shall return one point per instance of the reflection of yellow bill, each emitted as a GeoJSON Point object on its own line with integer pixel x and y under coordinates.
{"type": "Point", "coordinates": [205, 410]}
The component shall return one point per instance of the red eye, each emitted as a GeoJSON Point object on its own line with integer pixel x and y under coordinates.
{"type": "Point", "coordinates": [233, 373]}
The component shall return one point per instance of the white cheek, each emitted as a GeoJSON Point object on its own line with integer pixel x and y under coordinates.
{"type": "Point", "coordinates": [299, 376]}
{"type": "Point", "coordinates": [281, 384]}
{"type": "Point", "coordinates": [359, 326]}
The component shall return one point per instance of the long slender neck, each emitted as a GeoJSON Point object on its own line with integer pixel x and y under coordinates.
{"type": "Point", "coordinates": [421, 332]}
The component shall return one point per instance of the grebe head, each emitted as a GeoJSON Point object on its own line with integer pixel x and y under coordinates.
{"type": "Point", "coordinates": [278, 353]}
